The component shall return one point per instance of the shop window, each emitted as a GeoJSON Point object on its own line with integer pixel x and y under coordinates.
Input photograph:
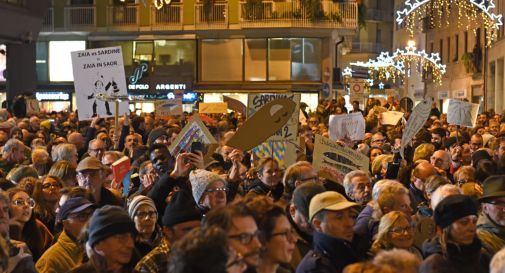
{"type": "Point", "coordinates": [42, 61]}
{"type": "Point", "coordinates": [255, 59]}
{"type": "Point", "coordinates": [279, 62]}
{"type": "Point", "coordinates": [221, 60]}
{"type": "Point", "coordinates": [306, 59]}
{"type": "Point", "coordinates": [174, 57]}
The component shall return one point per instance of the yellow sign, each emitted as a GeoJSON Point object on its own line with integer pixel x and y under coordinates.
{"type": "Point", "coordinates": [213, 108]}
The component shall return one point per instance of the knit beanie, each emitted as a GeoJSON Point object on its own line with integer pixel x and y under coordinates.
{"type": "Point", "coordinates": [200, 180]}
{"type": "Point", "coordinates": [108, 221]}
{"type": "Point", "coordinates": [182, 208]}
{"type": "Point", "coordinates": [137, 202]}
{"type": "Point", "coordinates": [154, 134]}
{"type": "Point", "coordinates": [454, 207]}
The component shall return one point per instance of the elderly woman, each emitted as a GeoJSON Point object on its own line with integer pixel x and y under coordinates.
{"type": "Point", "coordinates": [464, 175]}
{"type": "Point", "coordinates": [209, 190]}
{"type": "Point", "coordinates": [40, 161]}
{"type": "Point", "coordinates": [143, 212]}
{"type": "Point", "coordinates": [456, 248]}
{"type": "Point", "coordinates": [396, 230]}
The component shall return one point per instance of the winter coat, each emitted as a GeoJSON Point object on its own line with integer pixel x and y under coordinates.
{"type": "Point", "coordinates": [491, 235]}
{"type": "Point", "coordinates": [64, 255]}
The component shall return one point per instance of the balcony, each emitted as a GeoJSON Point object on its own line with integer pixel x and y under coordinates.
{"type": "Point", "coordinates": [122, 16]}
{"type": "Point", "coordinates": [167, 18]}
{"type": "Point", "coordinates": [296, 14]}
{"type": "Point", "coordinates": [377, 15]}
{"type": "Point", "coordinates": [214, 16]}
{"type": "Point", "coordinates": [48, 23]}
{"type": "Point", "coordinates": [83, 17]}
{"type": "Point", "coordinates": [367, 48]}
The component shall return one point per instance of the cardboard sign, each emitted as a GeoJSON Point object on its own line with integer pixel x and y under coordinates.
{"type": "Point", "coordinates": [168, 108]}
{"type": "Point", "coordinates": [351, 126]}
{"type": "Point", "coordinates": [213, 108]}
{"type": "Point", "coordinates": [333, 161]}
{"type": "Point", "coordinates": [290, 130]}
{"type": "Point", "coordinates": [391, 117]}
{"type": "Point", "coordinates": [195, 130]}
{"type": "Point", "coordinates": [419, 115]}
{"type": "Point", "coordinates": [462, 113]}
{"type": "Point", "coordinates": [263, 124]}
{"type": "Point", "coordinates": [235, 105]}
{"type": "Point", "coordinates": [32, 107]}
{"type": "Point", "coordinates": [99, 71]}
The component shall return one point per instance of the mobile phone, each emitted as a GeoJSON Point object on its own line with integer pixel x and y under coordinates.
{"type": "Point", "coordinates": [196, 146]}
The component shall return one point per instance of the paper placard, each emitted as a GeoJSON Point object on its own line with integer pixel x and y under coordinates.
{"type": "Point", "coordinates": [195, 130]}
{"type": "Point", "coordinates": [391, 117]}
{"type": "Point", "coordinates": [333, 161]}
{"type": "Point", "coordinates": [462, 113]}
{"type": "Point", "coordinates": [213, 107]}
{"type": "Point", "coordinates": [168, 108]}
{"type": "Point", "coordinates": [357, 90]}
{"type": "Point", "coordinates": [235, 105]}
{"type": "Point", "coordinates": [99, 71]}
{"type": "Point", "coordinates": [416, 121]}
{"type": "Point", "coordinates": [32, 107]}
{"type": "Point", "coordinates": [288, 131]}
{"type": "Point", "coordinates": [351, 126]}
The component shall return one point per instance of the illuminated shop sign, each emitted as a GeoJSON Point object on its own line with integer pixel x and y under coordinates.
{"type": "Point", "coordinates": [187, 97]}
{"type": "Point", "coordinates": [52, 96]}
{"type": "Point", "coordinates": [158, 87]}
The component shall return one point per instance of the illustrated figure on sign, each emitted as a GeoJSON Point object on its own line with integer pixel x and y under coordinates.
{"type": "Point", "coordinates": [101, 88]}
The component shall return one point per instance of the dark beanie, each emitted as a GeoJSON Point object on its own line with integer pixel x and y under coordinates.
{"type": "Point", "coordinates": [454, 207]}
{"type": "Point", "coordinates": [154, 134]}
{"type": "Point", "coordinates": [108, 221]}
{"type": "Point", "coordinates": [182, 208]}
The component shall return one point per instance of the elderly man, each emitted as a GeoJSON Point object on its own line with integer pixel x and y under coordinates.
{"type": "Point", "coordinates": [96, 148]}
{"type": "Point", "coordinates": [295, 175]}
{"type": "Point", "coordinates": [476, 142]}
{"type": "Point", "coordinates": [491, 222]}
{"type": "Point", "coordinates": [91, 175]}
{"type": "Point", "coordinates": [441, 160]}
{"type": "Point", "coordinates": [358, 187]}
{"type": "Point", "coordinates": [65, 151]}
{"type": "Point", "coordinates": [422, 170]}
{"type": "Point", "coordinates": [13, 154]}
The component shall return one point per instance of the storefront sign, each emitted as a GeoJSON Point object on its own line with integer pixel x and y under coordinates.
{"type": "Point", "coordinates": [157, 87]}
{"type": "Point", "coordinates": [52, 96]}
{"type": "Point", "coordinates": [137, 74]}
{"type": "Point", "coordinates": [187, 97]}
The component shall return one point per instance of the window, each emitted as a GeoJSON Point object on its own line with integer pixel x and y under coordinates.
{"type": "Point", "coordinates": [456, 53]}
{"type": "Point", "coordinates": [279, 62]}
{"type": "Point", "coordinates": [221, 60]}
{"type": "Point", "coordinates": [174, 52]}
{"type": "Point", "coordinates": [306, 59]}
{"type": "Point", "coordinates": [441, 47]}
{"type": "Point", "coordinates": [41, 62]}
{"type": "Point", "coordinates": [255, 58]}
{"type": "Point", "coordinates": [143, 51]}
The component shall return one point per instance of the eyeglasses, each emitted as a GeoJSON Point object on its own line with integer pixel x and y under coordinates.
{"type": "Point", "coordinates": [21, 202]}
{"type": "Point", "coordinates": [146, 214]}
{"type": "Point", "coordinates": [379, 140]}
{"type": "Point", "coordinates": [402, 230]}
{"type": "Point", "coordinates": [216, 190]}
{"type": "Point", "coordinates": [86, 174]}
{"type": "Point", "coordinates": [246, 238]}
{"type": "Point", "coordinates": [289, 234]}
{"type": "Point", "coordinates": [51, 186]}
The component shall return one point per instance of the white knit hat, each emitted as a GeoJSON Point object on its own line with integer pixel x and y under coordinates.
{"type": "Point", "coordinates": [200, 180]}
{"type": "Point", "coordinates": [138, 201]}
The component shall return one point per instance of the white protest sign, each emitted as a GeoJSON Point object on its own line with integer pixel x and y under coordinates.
{"type": "Point", "coordinates": [333, 161]}
{"type": "Point", "coordinates": [167, 108]}
{"type": "Point", "coordinates": [288, 131]}
{"type": "Point", "coordinates": [391, 117]}
{"type": "Point", "coordinates": [98, 71]}
{"type": "Point", "coordinates": [356, 90]}
{"type": "Point", "coordinates": [416, 121]}
{"type": "Point", "coordinates": [462, 113]}
{"type": "Point", "coordinates": [351, 126]}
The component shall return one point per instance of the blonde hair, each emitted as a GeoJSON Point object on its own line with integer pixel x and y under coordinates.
{"type": "Point", "coordinates": [386, 223]}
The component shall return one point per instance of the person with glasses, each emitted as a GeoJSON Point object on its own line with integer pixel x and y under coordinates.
{"type": "Point", "coordinates": [24, 226]}
{"type": "Point", "coordinates": [143, 212]}
{"type": "Point", "coordinates": [378, 139]}
{"type": "Point", "coordinates": [491, 222]}
{"type": "Point", "coordinates": [278, 236]}
{"type": "Point", "coordinates": [295, 175]}
{"type": "Point", "coordinates": [396, 230]}
{"type": "Point", "coordinates": [46, 194]}
{"type": "Point", "coordinates": [96, 148]}
{"type": "Point", "coordinates": [240, 227]}
{"type": "Point", "coordinates": [67, 252]}
{"type": "Point", "coordinates": [209, 190]}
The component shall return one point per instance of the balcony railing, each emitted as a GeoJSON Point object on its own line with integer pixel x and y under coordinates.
{"type": "Point", "coordinates": [211, 16]}
{"type": "Point", "coordinates": [48, 23]}
{"type": "Point", "coordinates": [358, 47]}
{"type": "Point", "coordinates": [77, 17]}
{"type": "Point", "coordinates": [168, 17]}
{"type": "Point", "coordinates": [122, 15]}
{"type": "Point", "coordinates": [297, 14]}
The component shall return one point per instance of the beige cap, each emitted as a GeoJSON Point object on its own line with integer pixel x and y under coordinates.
{"type": "Point", "coordinates": [328, 200]}
{"type": "Point", "coordinates": [90, 163]}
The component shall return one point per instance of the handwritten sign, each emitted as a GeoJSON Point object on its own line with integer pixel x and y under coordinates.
{"type": "Point", "coordinates": [213, 108]}
{"type": "Point", "coordinates": [98, 71]}
{"type": "Point", "coordinates": [168, 108]}
{"type": "Point", "coordinates": [391, 117]}
{"type": "Point", "coordinates": [288, 131]}
{"type": "Point", "coordinates": [351, 126]}
{"type": "Point", "coordinates": [333, 161]}
{"type": "Point", "coordinates": [462, 113]}
{"type": "Point", "coordinates": [419, 115]}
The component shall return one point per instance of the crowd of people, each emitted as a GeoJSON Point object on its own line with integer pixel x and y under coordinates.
{"type": "Point", "coordinates": [441, 208]}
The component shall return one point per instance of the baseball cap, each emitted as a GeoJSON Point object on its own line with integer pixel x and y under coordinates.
{"type": "Point", "coordinates": [74, 205]}
{"type": "Point", "coordinates": [329, 200]}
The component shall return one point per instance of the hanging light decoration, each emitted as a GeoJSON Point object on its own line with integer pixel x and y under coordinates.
{"type": "Point", "coordinates": [159, 3]}
{"type": "Point", "coordinates": [439, 13]}
{"type": "Point", "coordinates": [384, 67]}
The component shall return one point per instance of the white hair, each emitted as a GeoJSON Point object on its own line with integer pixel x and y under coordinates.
{"type": "Point", "coordinates": [381, 184]}
{"type": "Point", "coordinates": [442, 192]}
{"type": "Point", "coordinates": [64, 151]}
{"type": "Point", "coordinates": [348, 178]}
{"type": "Point", "coordinates": [399, 259]}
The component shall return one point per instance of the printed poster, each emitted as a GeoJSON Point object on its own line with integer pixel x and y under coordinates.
{"type": "Point", "coordinates": [195, 130]}
{"type": "Point", "coordinates": [351, 126]}
{"type": "Point", "coordinates": [168, 108]}
{"type": "Point", "coordinates": [333, 161]}
{"type": "Point", "coordinates": [288, 131]}
{"type": "Point", "coordinates": [99, 71]}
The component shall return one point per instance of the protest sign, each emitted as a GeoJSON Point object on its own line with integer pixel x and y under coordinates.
{"type": "Point", "coordinates": [194, 131]}
{"type": "Point", "coordinates": [357, 90]}
{"type": "Point", "coordinates": [287, 132]}
{"type": "Point", "coordinates": [32, 107]}
{"type": "Point", "coordinates": [285, 152]}
{"type": "Point", "coordinates": [416, 121]}
{"type": "Point", "coordinates": [333, 161]}
{"type": "Point", "coordinates": [235, 105]}
{"type": "Point", "coordinates": [213, 108]}
{"type": "Point", "coordinates": [99, 71]}
{"type": "Point", "coordinates": [391, 117]}
{"type": "Point", "coordinates": [168, 108]}
{"type": "Point", "coordinates": [462, 113]}
{"type": "Point", "coordinates": [351, 126]}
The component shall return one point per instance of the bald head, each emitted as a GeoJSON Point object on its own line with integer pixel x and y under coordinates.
{"type": "Point", "coordinates": [421, 172]}
{"type": "Point", "coordinates": [441, 159]}
{"type": "Point", "coordinates": [77, 139]}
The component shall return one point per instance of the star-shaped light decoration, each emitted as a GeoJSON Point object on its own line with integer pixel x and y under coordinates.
{"type": "Point", "coordinates": [381, 86]}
